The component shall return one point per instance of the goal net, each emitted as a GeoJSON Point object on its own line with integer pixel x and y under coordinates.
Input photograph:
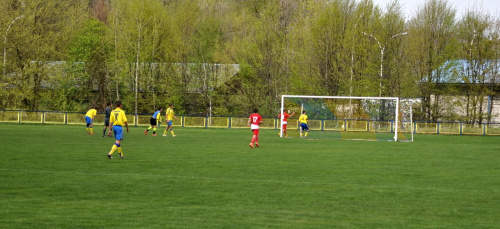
{"type": "Point", "coordinates": [356, 118]}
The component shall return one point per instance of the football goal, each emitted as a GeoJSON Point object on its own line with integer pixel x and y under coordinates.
{"type": "Point", "coordinates": [355, 118]}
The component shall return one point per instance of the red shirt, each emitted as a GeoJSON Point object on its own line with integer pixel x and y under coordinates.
{"type": "Point", "coordinates": [285, 116]}
{"type": "Point", "coordinates": [255, 119]}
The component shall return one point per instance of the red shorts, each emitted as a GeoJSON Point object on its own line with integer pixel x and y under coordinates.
{"type": "Point", "coordinates": [256, 132]}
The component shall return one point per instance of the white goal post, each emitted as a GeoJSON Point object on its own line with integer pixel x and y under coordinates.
{"type": "Point", "coordinates": [394, 114]}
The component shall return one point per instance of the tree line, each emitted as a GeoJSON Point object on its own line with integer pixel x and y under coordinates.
{"type": "Point", "coordinates": [228, 56]}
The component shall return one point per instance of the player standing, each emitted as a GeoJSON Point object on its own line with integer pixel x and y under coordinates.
{"type": "Point", "coordinates": [117, 120]}
{"type": "Point", "coordinates": [106, 119]}
{"type": "Point", "coordinates": [253, 122]}
{"type": "Point", "coordinates": [169, 115]}
{"type": "Point", "coordinates": [154, 121]}
{"type": "Point", "coordinates": [303, 124]}
{"type": "Point", "coordinates": [285, 118]}
{"type": "Point", "coordinates": [89, 119]}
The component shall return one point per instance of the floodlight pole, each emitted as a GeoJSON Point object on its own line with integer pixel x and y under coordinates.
{"type": "Point", "coordinates": [382, 49]}
{"type": "Point", "coordinates": [352, 66]}
{"type": "Point", "coordinates": [5, 44]}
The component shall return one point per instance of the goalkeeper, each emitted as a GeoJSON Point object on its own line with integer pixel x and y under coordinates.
{"type": "Point", "coordinates": [284, 122]}
{"type": "Point", "coordinates": [154, 121]}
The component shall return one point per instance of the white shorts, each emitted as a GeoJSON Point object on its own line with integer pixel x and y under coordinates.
{"type": "Point", "coordinates": [254, 127]}
{"type": "Point", "coordinates": [283, 123]}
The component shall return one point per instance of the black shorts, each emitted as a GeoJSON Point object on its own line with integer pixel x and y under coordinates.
{"type": "Point", "coordinates": [106, 122]}
{"type": "Point", "coordinates": [152, 121]}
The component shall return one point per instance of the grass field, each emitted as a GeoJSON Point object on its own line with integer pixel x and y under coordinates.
{"type": "Point", "coordinates": [59, 177]}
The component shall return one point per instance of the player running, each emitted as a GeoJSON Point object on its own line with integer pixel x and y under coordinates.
{"type": "Point", "coordinates": [89, 119]}
{"type": "Point", "coordinates": [285, 118]}
{"type": "Point", "coordinates": [117, 120]}
{"type": "Point", "coordinates": [253, 122]}
{"type": "Point", "coordinates": [154, 120]}
{"type": "Point", "coordinates": [169, 115]}
{"type": "Point", "coordinates": [303, 124]}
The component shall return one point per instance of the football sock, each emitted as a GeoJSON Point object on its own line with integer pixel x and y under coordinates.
{"type": "Point", "coordinates": [119, 149]}
{"type": "Point", "coordinates": [172, 131]}
{"type": "Point", "coordinates": [253, 139]}
{"type": "Point", "coordinates": [306, 133]}
{"type": "Point", "coordinates": [91, 130]}
{"type": "Point", "coordinates": [104, 132]}
{"type": "Point", "coordinates": [116, 145]}
{"type": "Point", "coordinates": [165, 132]}
{"type": "Point", "coordinates": [149, 129]}
{"type": "Point", "coordinates": [87, 129]}
{"type": "Point", "coordinates": [154, 130]}
{"type": "Point", "coordinates": [300, 134]}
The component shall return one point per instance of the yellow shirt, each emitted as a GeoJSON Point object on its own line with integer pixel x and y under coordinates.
{"type": "Point", "coordinates": [91, 113]}
{"type": "Point", "coordinates": [303, 118]}
{"type": "Point", "coordinates": [170, 114]}
{"type": "Point", "coordinates": [118, 117]}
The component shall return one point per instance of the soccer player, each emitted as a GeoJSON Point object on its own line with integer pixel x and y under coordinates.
{"type": "Point", "coordinates": [106, 119]}
{"type": "Point", "coordinates": [116, 122]}
{"type": "Point", "coordinates": [89, 119]}
{"type": "Point", "coordinates": [303, 124]}
{"type": "Point", "coordinates": [169, 115]}
{"type": "Point", "coordinates": [253, 122]}
{"type": "Point", "coordinates": [154, 121]}
{"type": "Point", "coordinates": [285, 118]}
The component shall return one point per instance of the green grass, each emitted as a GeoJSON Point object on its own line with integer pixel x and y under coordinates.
{"type": "Point", "coordinates": [59, 177]}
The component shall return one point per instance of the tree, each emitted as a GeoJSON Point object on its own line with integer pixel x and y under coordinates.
{"type": "Point", "coordinates": [33, 49]}
{"type": "Point", "coordinates": [431, 44]}
{"type": "Point", "coordinates": [91, 49]}
{"type": "Point", "coordinates": [137, 37]}
{"type": "Point", "coordinates": [476, 38]}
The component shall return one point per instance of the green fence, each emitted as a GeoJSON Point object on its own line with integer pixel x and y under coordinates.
{"type": "Point", "coordinates": [73, 118]}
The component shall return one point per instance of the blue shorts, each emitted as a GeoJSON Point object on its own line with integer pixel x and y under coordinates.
{"type": "Point", "coordinates": [118, 130]}
{"type": "Point", "coordinates": [169, 123]}
{"type": "Point", "coordinates": [304, 126]}
{"type": "Point", "coordinates": [88, 120]}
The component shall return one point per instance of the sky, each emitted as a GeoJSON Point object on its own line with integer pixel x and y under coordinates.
{"type": "Point", "coordinates": [491, 7]}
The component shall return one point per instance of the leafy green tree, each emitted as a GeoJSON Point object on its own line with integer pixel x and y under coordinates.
{"type": "Point", "coordinates": [431, 44]}
{"type": "Point", "coordinates": [41, 37]}
{"type": "Point", "coordinates": [476, 41]}
{"type": "Point", "coordinates": [394, 62]}
{"type": "Point", "coordinates": [90, 51]}
{"type": "Point", "coordinates": [137, 37]}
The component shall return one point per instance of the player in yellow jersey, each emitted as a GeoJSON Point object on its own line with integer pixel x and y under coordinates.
{"type": "Point", "coordinates": [89, 119]}
{"type": "Point", "coordinates": [303, 124]}
{"type": "Point", "coordinates": [169, 116]}
{"type": "Point", "coordinates": [116, 122]}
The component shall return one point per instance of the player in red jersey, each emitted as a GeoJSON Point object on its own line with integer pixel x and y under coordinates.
{"type": "Point", "coordinates": [285, 118]}
{"type": "Point", "coordinates": [253, 122]}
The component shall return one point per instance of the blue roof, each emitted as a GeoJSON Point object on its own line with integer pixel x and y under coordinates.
{"type": "Point", "coordinates": [461, 71]}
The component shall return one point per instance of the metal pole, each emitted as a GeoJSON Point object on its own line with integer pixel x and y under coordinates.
{"type": "Point", "coordinates": [382, 49]}
{"type": "Point", "coordinates": [381, 69]}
